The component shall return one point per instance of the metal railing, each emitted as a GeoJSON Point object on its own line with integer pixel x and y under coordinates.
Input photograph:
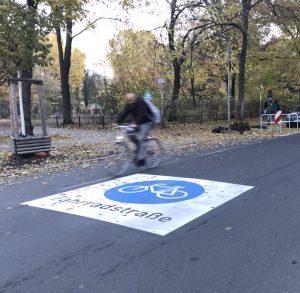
{"type": "Point", "coordinates": [82, 119]}
{"type": "Point", "coordinates": [286, 119]}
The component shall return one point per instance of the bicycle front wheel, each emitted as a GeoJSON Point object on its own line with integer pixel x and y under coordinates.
{"type": "Point", "coordinates": [154, 152]}
{"type": "Point", "coordinates": [117, 161]}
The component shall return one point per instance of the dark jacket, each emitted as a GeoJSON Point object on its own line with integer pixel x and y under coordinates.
{"type": "Point", "coordinates": [276, 106]}
{"type": "Point", "coordinates": [139, 111]}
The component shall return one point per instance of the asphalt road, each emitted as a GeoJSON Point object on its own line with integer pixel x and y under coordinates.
{"type": "Point", "coordinates": [249, 244]}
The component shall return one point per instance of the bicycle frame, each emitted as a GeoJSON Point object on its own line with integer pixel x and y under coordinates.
{"type": "Point", "coordinates": [124, 137]}
{"type": "Point", "coordinates": [128, 155]}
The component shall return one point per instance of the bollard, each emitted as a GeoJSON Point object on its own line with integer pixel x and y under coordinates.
{"type": "Point", "coordinates": [278, 120]}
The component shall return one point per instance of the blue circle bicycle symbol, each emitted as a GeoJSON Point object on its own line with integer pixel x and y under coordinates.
{"type": "Point", "coordinates": [155, 192]}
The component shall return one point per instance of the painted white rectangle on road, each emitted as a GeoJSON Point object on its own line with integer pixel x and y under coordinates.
{"type": "Point", "coordinates": [152, 203]}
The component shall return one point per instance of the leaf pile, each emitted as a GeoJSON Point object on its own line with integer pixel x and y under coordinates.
{"type": "Point", "coordinates": [85, 147]}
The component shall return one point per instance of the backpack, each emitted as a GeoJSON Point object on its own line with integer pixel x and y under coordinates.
{"type": "Point", "coordinates": [156, 114]}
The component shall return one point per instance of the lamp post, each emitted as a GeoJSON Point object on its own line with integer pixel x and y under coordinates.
{"type": "Point", "coordinates": [261, 87]}
{"type": "Point", "coordinates": [161, 83]}
{"type": "Point", "coordinates": [228, 87]}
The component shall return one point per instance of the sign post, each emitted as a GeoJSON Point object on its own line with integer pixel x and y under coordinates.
{"type": "Point", "coordinates": [261, 87]}
{"type": "Point", "coordinates": [161, 83]}
{"type": "Point", "coordinates": [228, 86]}
{"type": "Point", "coordinates": [147, 95]}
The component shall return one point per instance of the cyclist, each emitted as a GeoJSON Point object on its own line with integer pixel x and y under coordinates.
{"type": "Point", "coordinates": [141, 124]}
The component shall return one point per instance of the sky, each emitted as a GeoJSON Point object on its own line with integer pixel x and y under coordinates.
{"type": "Point", "coordinates": [94, 42]}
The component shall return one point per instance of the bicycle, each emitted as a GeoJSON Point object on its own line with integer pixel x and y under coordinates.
{"type": "Point", "coordinates": [122, 153]}
{"type": "Point", "coordinates": [160, 190]}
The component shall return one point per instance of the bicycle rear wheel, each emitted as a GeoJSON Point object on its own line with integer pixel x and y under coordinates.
{"type": "Point", "coordinates": [154, 152]}
{"type": "Point", "coordinates": [118, 160]}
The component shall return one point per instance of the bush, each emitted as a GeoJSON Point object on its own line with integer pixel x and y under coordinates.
{"type": "Point", "coordinates": [240, 126]}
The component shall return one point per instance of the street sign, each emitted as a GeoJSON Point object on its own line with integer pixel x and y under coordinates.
{"type": "Point", "coordinates": [152, 203]}
{"type": "Point", "coordinates": [147, 95]}
{"type": "Point", "coordinates": [161, 81]}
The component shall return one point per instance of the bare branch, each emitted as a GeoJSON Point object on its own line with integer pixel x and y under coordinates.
{"type": "Point", "coordinates": [94, 21]}
{"type": "Point", "coordinates": [255, 4]}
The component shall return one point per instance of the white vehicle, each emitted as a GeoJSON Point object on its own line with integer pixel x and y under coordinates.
{"type": "Point", "coordinates": [293, 119]}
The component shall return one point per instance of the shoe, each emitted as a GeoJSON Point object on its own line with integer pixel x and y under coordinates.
{"type": "Point", "coordinates": [141, 163]}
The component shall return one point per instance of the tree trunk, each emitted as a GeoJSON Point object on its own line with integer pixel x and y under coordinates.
{"type": "Point", "coordinates": [176, 66]}
{"type": "Point", "coordinates": [233, 85]}
{"type": "Point", "coordinates": [26, 86]}
{"type": "Point", "coordinates": [242, 59]}
{"type": "Point", "coordinates": [175, 92]}
{"type": "Point", "coordinates": [65, 64]}
{"type": "Point", "coordinates": [65, 91]}
{"type": "Point", "coordinates": [85, 89]}
{"type": "Point", "coordinates": [192, 78]}
{"type": "Point", "coordinates": [193, 91]}
{"type": "Point", "coordinates": [26, 95]}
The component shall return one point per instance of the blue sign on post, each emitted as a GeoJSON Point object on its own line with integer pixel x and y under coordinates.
{"type": "Point", "coordinates": [147, 95]}
{"type": "Point", "coordinates": [155, 192]}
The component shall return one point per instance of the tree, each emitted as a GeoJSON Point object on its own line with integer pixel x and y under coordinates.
{"type": "Point", "coordinates": [77, 69]}
{"type": "Point", "coordinates": [260, 12]}
{"type": "Point", "coordinates": [287, 17]}
{"type": "Point", "coordinates": [77, 65]}
{"type": "Point", "coordinates": [107, 98]}
{"type": "Point", "coordinates": [52, 71]}
{"type": "Point", "coordinates": [247, 6]}
{"type": "Point", "coordinates": [21, 47]}
{"type": "Point", "coordinates": [65, 14]}
{"type": "Point", "coordinates": [22, 35]}
{"type": "Point", "coordinates": [204, 76]}
{"type": "Point", "coordinates": [134, 57]}
{"type": "Point", "coordinates": [276, 64]}
{"type": "Point", "coordinates": [185, 27]}
{"type": "Point", "coordinates": [89, 88]}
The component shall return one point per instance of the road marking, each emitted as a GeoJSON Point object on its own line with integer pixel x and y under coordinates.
{"type": "Point", "coordinates": [287, 134]}
{"type": "Point", "coordinates": [160, 165]}
{"type": "Point", "coordinates": [151, 203]}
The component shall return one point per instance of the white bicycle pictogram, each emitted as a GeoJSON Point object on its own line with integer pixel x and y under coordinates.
{"type": "Point", "coordinates": [160, 190]}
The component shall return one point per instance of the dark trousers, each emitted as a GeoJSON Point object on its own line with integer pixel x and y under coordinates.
{"type": "Point", "coordinates": [139, 138]}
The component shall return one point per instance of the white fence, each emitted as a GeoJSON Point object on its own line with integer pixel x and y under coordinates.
{"type": "Point", "coordinates": [269, 119]}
